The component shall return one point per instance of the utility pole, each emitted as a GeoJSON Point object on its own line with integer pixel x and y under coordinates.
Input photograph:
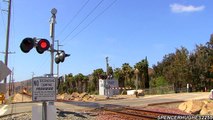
{"type": "Point", "coordinates": [107, 66]}
{"type": "Point", "coordinates": [9, 90]}
{"type": "Point", "coordinates": [11, 82]}
{"type": "Point", "coordinates": [30, 83]}
{"type": "Point", "coordinates": [22, 90]}
{"type": "Point", "coordinates": [7, 37]}
{"type": "Point", "coordinates": [52, 35]}
{"type": "Point", "coordinates": [13, 85]}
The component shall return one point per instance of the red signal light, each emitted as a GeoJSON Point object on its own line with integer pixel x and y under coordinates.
{"type": "Point", "coordinates": [28, 43]}
{"type": "Point", "coordinates": [42, 45]}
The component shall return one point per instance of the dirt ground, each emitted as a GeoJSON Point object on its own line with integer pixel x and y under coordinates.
{"type": "Point", "coordinates": [21, 98]}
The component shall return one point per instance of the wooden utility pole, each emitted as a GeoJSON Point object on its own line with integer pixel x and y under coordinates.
{"type": "Point", "coordinates": [11, 82]}
{"type": "Point", "coordinates": [7, 37]}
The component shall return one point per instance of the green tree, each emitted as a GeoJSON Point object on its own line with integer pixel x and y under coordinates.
{"type": "Point", "coordinates": [127, 72]}
{"type": "Point", "coordinates": [200, 64]}
{"type": "Point", "coordinates": [142, 66]}
{"type": "Point", "coordinates": [110, 72]}
{"type": "Point", "coordinates": [118, 74]}
{"type": "Point", "coordinates": [180, 68]}
{"type": "Point", "coordinates": [79, 80]}
{"type": "Point", "coordinates": [85, 83]}
{"type": "Point", "coordinates": [68, 88]}
{"type": "Point", "coordinates": [174, 68]}
{"type": "Point", "coordinates": [159, 82]}
{"type": "Point", "coordinates": [61, 85]}
{"type": "Point", "coordinates": [97, 74]}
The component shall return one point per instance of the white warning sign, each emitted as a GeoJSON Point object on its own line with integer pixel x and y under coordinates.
{"type": "Point", "coordinates": [43, 89]}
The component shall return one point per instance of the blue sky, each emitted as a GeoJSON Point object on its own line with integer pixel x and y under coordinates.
{"type": "Point", "coordinates": [127, 31]}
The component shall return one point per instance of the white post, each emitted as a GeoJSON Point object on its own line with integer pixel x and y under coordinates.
{"type": "Point", "coordinates": [187, 87]}
{"type": "Point", "coordinates": [52, 35]}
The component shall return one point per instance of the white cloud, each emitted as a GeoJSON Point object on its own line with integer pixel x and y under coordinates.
{"type": "Point", "coordinates": [178, 8]}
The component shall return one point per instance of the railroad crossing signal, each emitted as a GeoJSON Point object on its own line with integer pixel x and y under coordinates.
{"type": "Point", "coordinates": [42, 46]}
{"type": "Point", "coordinates": [60, 56]}
{"type": "Point", "coordinates": [28, 43]}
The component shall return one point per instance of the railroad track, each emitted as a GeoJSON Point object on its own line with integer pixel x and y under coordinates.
{"type": "Point", "coordinates": [129, 113]}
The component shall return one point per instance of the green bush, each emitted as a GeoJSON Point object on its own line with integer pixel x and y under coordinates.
{"type": "Point", "coordinates": [158, 82]}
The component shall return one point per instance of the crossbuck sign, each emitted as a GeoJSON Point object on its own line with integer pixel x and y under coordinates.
{"type": "Point", "coordinates": [43, 89]}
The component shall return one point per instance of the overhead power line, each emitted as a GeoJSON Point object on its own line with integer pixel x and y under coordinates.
{"type": "Point", "coordinates": [75, 16]}
{"type": "Point", "coordinates": [41, 64]}
{"type": "Point", "coordinates": [101, 13]}
{"type": "Point", "coordinates": [83, 19]}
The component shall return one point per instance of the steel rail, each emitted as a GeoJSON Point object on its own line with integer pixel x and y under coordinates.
{"type": "Point", "coordinates": [131, 113]}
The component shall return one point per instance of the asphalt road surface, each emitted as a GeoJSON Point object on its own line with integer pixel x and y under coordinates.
{"type": "Point", "coordinates": [84, 106]}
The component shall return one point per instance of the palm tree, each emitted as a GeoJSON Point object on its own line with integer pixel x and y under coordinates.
{"type": "Point", "coordinates": [118, 74]}
{"type": "Point", "coordinates": [79, 78]}
{"type": "Point", "coordinates": [127, 72]}
{"type": "Point", "coordinates": [96, 76]}
{"type": "Point", "coordinates": [85, 83]}
{"type": "Point", "coordinates": [110, 72]}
